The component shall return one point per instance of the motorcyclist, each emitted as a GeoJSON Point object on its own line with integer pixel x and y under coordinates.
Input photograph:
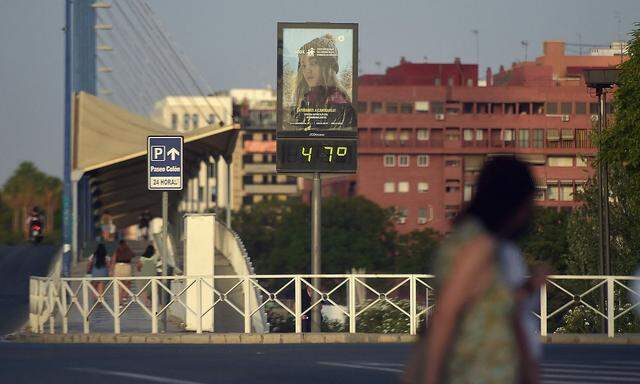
{"type": "Point", "coordinates": [36, 226]}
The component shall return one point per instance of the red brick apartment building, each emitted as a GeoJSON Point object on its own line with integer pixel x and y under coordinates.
{"type": "Point", "coordinates": [425, 130]}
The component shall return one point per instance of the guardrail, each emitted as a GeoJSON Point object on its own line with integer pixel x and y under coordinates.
{"type": "Point", "coordinates": [401, 303]}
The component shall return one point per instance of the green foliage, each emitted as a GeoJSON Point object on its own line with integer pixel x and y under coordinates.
{"type": "Point", "coordinates": [416, 251]}
{"type": "Point", "coordinates": [621, 143]}
{"type": "Point", "coordinates": [547, 240]}
{"type": "Point", "coordinates": [356, 234]}
{"type": "Point", "coordinates": [28, 187]}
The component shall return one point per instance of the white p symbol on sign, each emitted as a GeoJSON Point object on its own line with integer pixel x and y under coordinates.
{"type": "Point", "coordinates": [157, 153]}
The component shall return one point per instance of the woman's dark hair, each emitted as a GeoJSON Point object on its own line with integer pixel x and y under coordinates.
{"type": "Point", "coordinates": [100, 256]}
{"type": "Point", "coordinates": [149, 251]}
{"type": "Point", "coordinates": [504, 185]}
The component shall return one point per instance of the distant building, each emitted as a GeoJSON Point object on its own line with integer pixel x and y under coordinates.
{"type": "Point", "coordinates": [254, 158]}
{"type": "Point", "coordinates": [186, 113]}
{"type": "Point", "coordinates": [426, 129]}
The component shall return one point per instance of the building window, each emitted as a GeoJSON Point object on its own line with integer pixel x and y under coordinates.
{"type": "Point", "coordinates": [593, 108]}
{"type": "Point", "coordinates": [552, 108]}
{"type": "Point", "coordinates": [185, 121]}
{"type": "Point", "coordinates": [479, 134]}
{"type": "Point", "coordinates": [376, 107]}
{"type": "Point", "coordinates": [212, 119]}
{"type": "Point", "coordinates": [406, 108]}
{"type": "Point", "coordinates": [404, 136]}
{"type": "Point", "coordinates": [401, 214]}
{"type": "Point", "coordinates": [403, 187]}
{"type": "Point", "coordinates": [437, 82]}
{"type": "Point", "coordinates": [389, 187]}
{"type": "Point", "coordinates": [450, 81]}
{"type": "Point", "coordinates": [468, 192]}
{"type": "Point", "coordinates": [423, 134]}
{"type": "Point", "coordinates": [423, 187]}
{"type": "Point", "coordinates": [523, 138]}
{"type": "Point", "coordinates": [389, 160]}
{"type": "Point", "coordinates": [362, 106]}
{"type": "Point", "coordinates": [538, 138]}
{"type": "Point", "coordinates": [467, 134]}
{"type": "Point", "coordinates": [174, 121]}
{"type": "Point", "coordinates": [565, 108]}
{"type": "Point", "coordinates": [423, 160]}
{"type": "Point", "coordinates": [425, 215]}
{"type": "Point", "coordinates": [566, 191]}
{"type": "Point", "coordinates": [437, 107]}
{"type": "Point", "coordinates": [403, 161]}
{"type": "Point", "coordinates": [195, 120]}
{"type": "Point", "coordinates": [389, 136]}
{"type": "Point", "coordinates": [452, 163]}
{"type": "Point", "coordinates": [539, 194]}
{"type": "Point", "coordinates": [553, 134]}
{"type": "Point", "coordinates": [507, 135]}
{"type": "Point", "coordinates": [392, 107]}
{"type": "Point", "coordinates": [469, 82]}
{"type": "Point", "coordinates": [581, 108]}
{"type": "Point", "coordinates": [467, 108]}
{"type": "Point", "coordinates": [581, 161]}
{"type": "Point", "coordinates": [558, 161]}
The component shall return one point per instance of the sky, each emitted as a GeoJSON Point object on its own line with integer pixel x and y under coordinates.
{"type": "Point", "coordinates": [232, 43]}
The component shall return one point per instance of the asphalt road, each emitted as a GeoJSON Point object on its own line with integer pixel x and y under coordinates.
{"type": "Point", "coordinates": [271, 364]}
{"type": "Point", "coordinates": [17, 263]}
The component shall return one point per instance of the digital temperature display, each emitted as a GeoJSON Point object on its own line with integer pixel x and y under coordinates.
{"type": "Point", "coordinates": [317, 155]}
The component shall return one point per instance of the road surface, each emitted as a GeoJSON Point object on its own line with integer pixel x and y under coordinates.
{"type": "Point", "coordinates": [271, 364]}
{"type": "Point", "coordinates": [17, 263]}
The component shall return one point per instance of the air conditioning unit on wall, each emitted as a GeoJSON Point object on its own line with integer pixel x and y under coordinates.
{"type": "Point", "coordinates": [439, 116]}
{"type": "Point", "coordinates": [422, 220]}
{"type": "Point", "coordinates": [402, 220]}
{"type": "Point", "coordinates": [565, 118]}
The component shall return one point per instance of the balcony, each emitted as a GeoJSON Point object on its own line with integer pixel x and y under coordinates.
{"type": "Point", "coordinates": [259, 168]}
{"type": "Point", "coordinates": [283, 189]}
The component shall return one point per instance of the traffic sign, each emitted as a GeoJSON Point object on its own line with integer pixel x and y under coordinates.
{"type": "Point", "coordinates": [164, 163]}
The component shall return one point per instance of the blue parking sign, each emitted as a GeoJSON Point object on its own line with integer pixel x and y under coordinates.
{"type": "Point", "coordinates": [164, 163]}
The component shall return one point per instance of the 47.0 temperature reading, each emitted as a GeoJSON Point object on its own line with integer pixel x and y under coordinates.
{"type": "Point", "coordinates": [307, 152]}
{"type": "Point", "coordinates": [300, 155]}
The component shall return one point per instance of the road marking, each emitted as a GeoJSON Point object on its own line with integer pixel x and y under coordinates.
{"type": "Point", "coordinates": [139, 376]}
{"type": "Point", "coordinates": [360, 366]}
{"type": "Point", "coordinates": [622, 362]}
{"type": "Point", "coordinates": [589, 379]}
{"type": "Point", "coordinates": [588, 371]}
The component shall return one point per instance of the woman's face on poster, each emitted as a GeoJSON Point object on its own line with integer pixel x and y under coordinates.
{"type": "Point", "coordinates": [310, 70]}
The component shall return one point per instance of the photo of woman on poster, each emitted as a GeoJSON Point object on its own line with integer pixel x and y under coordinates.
{"type": "Point", "coordinates": [319, 92]}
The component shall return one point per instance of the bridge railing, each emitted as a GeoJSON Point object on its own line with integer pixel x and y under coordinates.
{"type": "Point", "coordinates": [380, 303]}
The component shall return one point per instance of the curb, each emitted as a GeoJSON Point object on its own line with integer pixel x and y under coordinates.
{"type": "Point", "coordinates": [213, 338]}
{"type": "Point", "coordinates": [280, 338]}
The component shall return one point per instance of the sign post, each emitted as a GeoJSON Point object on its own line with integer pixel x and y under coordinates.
{"type": "Point", "coordinates": [165, 173]}
{"type": "Point", "coordinates": [317, 117]}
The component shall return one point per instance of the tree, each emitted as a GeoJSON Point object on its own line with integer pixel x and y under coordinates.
{"type": "Point", "coordinates": [416, 251]}
{"type": "Point", "coordinates": [620, 150]}
{"type": "Point", "coordinates": [547, 241]}
{"type": "Point", "coordinates": [28, 187]}
{"type": "Point", "coordinates": [356, 233]}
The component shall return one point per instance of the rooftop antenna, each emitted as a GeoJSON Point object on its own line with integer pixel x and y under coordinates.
{"type": "Point", "coordinates": [618, 17]}
{"type": "Point", "coordinates": [580, 43]}
{"type": "Point", "coordinates": [525, 45]}
{"type": "Point", "coordinates": [476, 33]}
{"type": "Point", "coordinates": [378, 65]}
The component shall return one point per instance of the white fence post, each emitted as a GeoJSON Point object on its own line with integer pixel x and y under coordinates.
{"type": "Point", "coordinates": [247, 304]}
{"type": "Point", "coordinates": [116, 306]}
{"type": "Point", "coordinates": [543, 309]}
{"type": "Point", "coordinates": [298, 304]}
{"type": "Point", "coordinates": [199, 306]}
{"type": "Point", "coordinates": [154, 305]}
{"type": "Point", "coordinates": [352, 303]}
{"type": "Point", "coordinates": [51, 307]}
{"type": "Point", "coordinates": [85, 306]}
{"type": "Point", "coordinates": [412, 305]}
{"type": "Point", "coordinates": [65, 311]}
{"type": "Point", "coordinates": [611, 312]}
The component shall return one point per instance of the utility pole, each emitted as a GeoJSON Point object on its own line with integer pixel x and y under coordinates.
{"type": "Point", "coordinates": [316, 199]}
{"type": "Point", "coordinates": [66, 196]}
{"type": "Point", "coordinates": [476, 33]}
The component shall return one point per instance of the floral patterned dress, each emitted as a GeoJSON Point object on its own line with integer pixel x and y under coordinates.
{"type": "Point", "coordinates": [484, 349]}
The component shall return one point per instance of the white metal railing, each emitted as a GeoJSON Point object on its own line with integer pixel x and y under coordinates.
{"type": "Point", "coordinates": [68, 304]}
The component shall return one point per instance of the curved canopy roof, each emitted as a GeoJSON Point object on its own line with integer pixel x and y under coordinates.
{"type": "Point", "coordinates": [110, 145]}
